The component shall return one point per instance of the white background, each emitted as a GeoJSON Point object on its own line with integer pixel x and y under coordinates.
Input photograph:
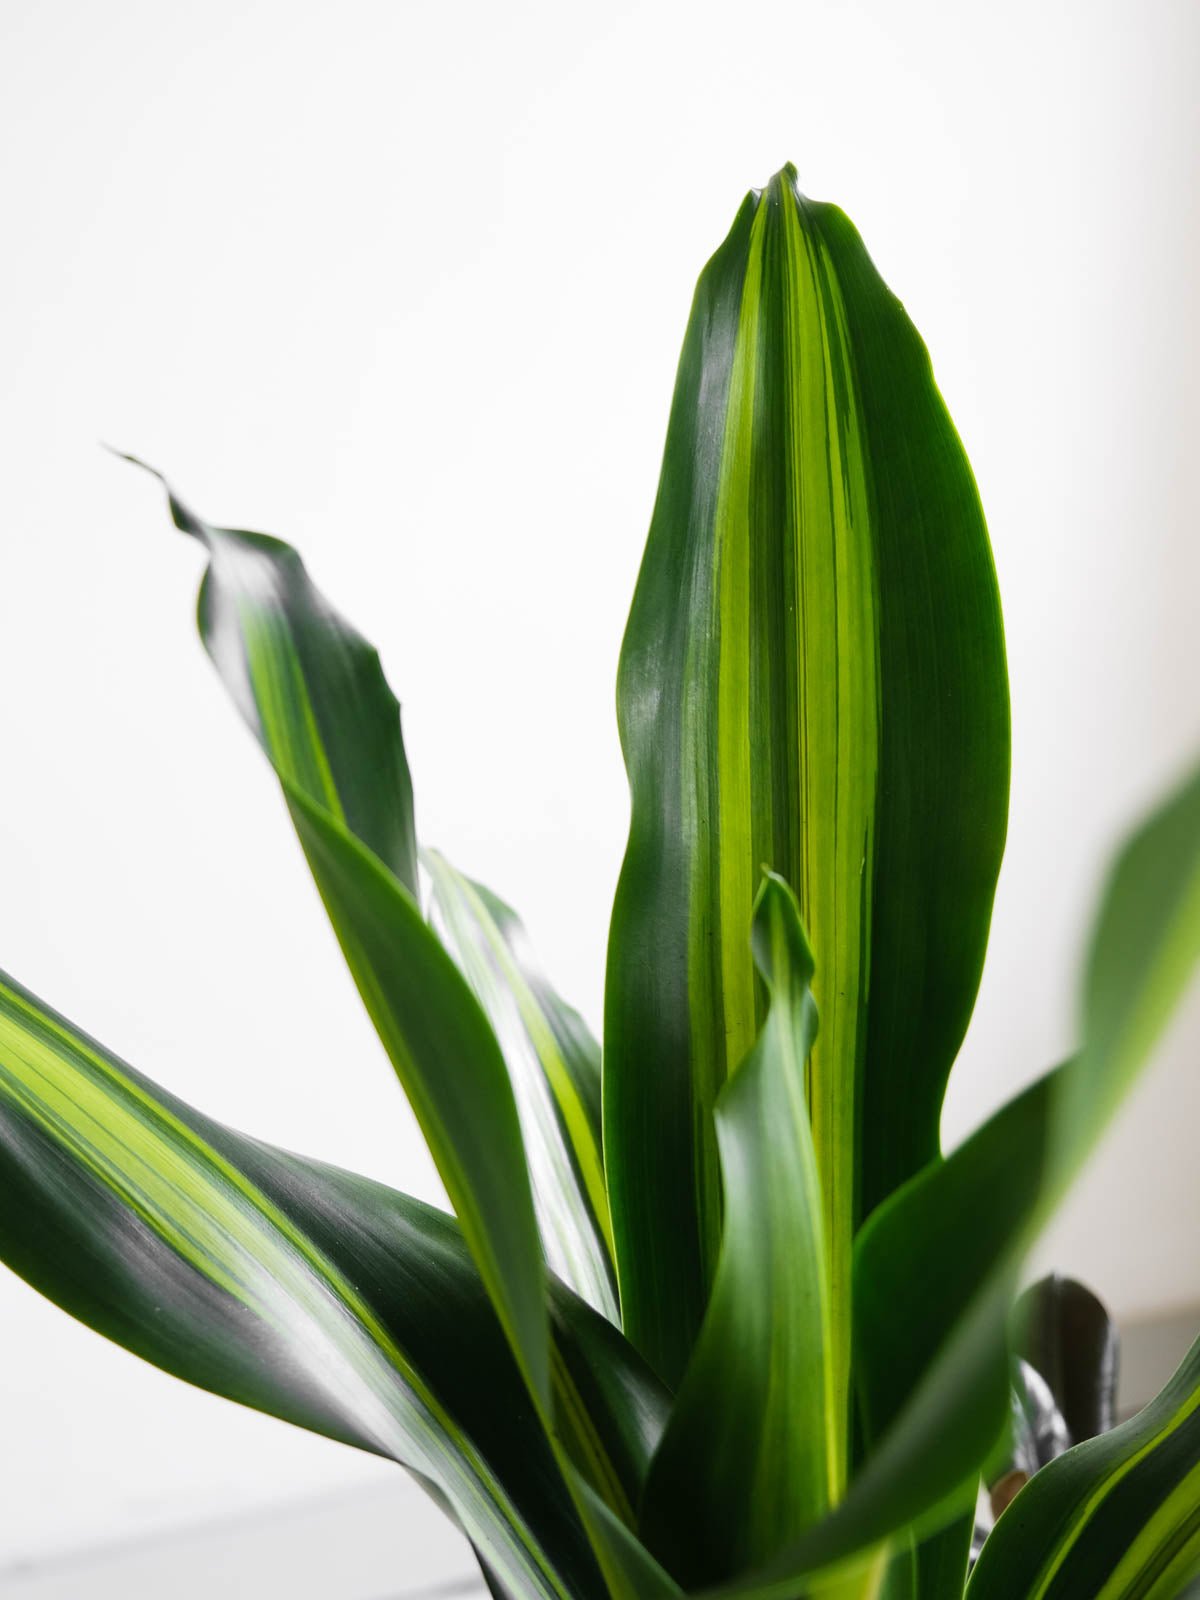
{"type": "Point", "coordinates": [406, 283]}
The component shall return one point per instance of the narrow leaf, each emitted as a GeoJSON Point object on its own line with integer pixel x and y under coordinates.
{"type": "Point", "coordinates": [310, 1293]}
{"type": "Point", "coordinates": [1065, 1334]}
{"type": "Point", "coordinates": [812, 677]}
{"type": "Point", "coordinates": [554, 1065]}
{"type": "Point", "coordinates": [937, 1266]}
{"type": "Point", "coordinates": [1115, 1518]}
{"type": "Point", "coordinates": [610, 1409]}
{"type": "Point", "coordinates": [447, 1058]}
{"type": "Point", "coordinates": [308, 686]}
{"type": "Point", "coordinates": [313, 693]}
{"type": "Point", "coordinates": [750, 1456]}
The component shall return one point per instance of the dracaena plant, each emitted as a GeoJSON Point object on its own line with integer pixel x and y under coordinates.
{"type": "Point", "coordinates": [713, 1314]}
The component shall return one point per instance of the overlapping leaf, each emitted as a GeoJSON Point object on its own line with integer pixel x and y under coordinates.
{"type": "Point", "coordinates": [554, 1066]}
{"type": "Point", "coordinates": [1115, 1518]}
{"type": "Point", "coordinates": [307, 1292]}
{"type": "Point", "coordinates": [314, 695]}
{"type": "Point", "coordinates": [750, 1456]}
{"type": "Point", "coordinates": [936, 1267]}
{"type": "Point", "coordinates": [812, 678]}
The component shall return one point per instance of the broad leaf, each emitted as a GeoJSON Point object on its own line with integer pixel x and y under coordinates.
{"type": "Point", "coordinates": [310, 1293]}
{"type": "Point", "coordinates": [313, 693]}
{"type": "Point", "coordinates": [554, 1065]}
{"type": "Point", "coordinates": [1116, 1518]}
{"type": "Point", "coordinates": [936, 1267]}
{"type": "Point", "coordinates": [750, 1455]}
{"type": "Point", "coordinates": [812, 678]}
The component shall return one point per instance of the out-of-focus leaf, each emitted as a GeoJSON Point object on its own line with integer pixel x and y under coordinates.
{"type": "Point", "coordinates": [307, 1292]}
{"type": "Point", "coordinates": [937, 1266]}
{"type": "Point", "coordinates": [812, 678]}
{"type": "Point", "coordinates": [630, 1571]}
{"type": "Point", "coordinates": [554, 1065]}
{"type": "Point", "coordinates": [1115, 1518]}
{"type": "Point", "coordinates": [1065, 1333]}
{"type": "Point", "coordinates": [747, 1460]}
{"type": "Point", "coordinates": [1037, 1431]}
{"type": "Point", "coordinates": [313, 693]}
{"type": "Point", "coordinates": [941, 1560]}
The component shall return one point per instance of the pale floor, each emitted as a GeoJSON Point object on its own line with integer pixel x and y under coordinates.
{"type": "Point", "coordinates": [383, 1543]}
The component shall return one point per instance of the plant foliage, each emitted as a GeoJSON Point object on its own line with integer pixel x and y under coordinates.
{"type": "Point", "coordinates": [713, 1315]}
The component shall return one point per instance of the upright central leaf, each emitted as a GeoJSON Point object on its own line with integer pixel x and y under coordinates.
{"type": "Point", "coordinates": [812, 680]}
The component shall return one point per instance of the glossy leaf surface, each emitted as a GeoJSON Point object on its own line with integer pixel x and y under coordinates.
{"type": "Point", "coordinates": [318, 1296]}
{"type": "Point", "coordinates": [812, 679]}
{"type": "Point", "coordinates": [750, 1456]}
{"type": "Point", "coordinates": [313, 693]}
{"type": "Point", "coordinates": [554, 1065]}
{"type": "Point", "coordinates": [936, 1267]}
{"type": "Point", "coordinates": [307, 684]}
{"type": "Point", "coordinates": [1115, 1518]}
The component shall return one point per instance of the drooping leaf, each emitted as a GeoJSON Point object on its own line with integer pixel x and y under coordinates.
{"type": "Point", "coordinates": [749, 1458]}
{"type": "Point", "coordinates": [812, 678]}
{"type": "Point", "coordinates": [310, 1293]}
{"type": "Point", "coordinates": [313, 693]}
{"type": "Point", "coordinates": [936, 1267]}
{"type": "Point", "coordinates": [1115, 1518]}
{"type": "Point", "coordinates": [1064, 1332]}
{"type": "Point", "coordinates": [554, 1065]}
{"type": "Point", "coordinates": [308, 686]}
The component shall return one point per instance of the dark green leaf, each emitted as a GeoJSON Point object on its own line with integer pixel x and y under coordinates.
{"type": "Point", "coordinates": [1064, 1332]}
{"type": "Point", "coordinates": [936, 1267]}
{"type": "Point", "coordinates": [812, 678]}
{"type": "Point", "coordinates": [750, 1456]}
{"type": "Point", "coordinates": [554, 1065]}
{"type": "Point", "coordinates": [313, 693]}
{"type": "Point", "coordinates": [318, 1296]}
{"type": "Point", "coordinates": [309, 687]}
{"type": "Point", "coordinates": [1116, 1518]}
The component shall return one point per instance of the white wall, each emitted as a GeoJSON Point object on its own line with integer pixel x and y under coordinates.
{"type": "Point", "coordinates": [406, 283]}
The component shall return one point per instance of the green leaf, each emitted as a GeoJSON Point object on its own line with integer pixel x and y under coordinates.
{"type": "Point", "coordinates": [611, 1410]}
{"type": "Point", "coordinates": [310, 1293]}
{"type": "Point", "coordinates": [308, 686]}
{"type": "Point", "coordinates": [1065, 1334]}
{"type": "Point", "coordinates": [314, 695]}
{"type": "Point", "coordinates": [942, 1559]}
{"type": "Point", "coordinates": [447, 1058]}
{"type": "Point", "coordinates": [1115, 1518]}
{"type": "Point", "coordinates": [936, 1267]}
{"type": "Point", "coordinates": [812, 678]}
{"type": "Point", "coordinates": [554, 1065]}
{"type": "Point", "coordinates": [630, 1570]}
{"type": "Point", "coordinates": [750, 1455]}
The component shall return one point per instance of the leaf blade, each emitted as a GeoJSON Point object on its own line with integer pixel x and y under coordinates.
{"type": "Point", "coordinates": [554, 1066]}
{"type": "Point", "coordinates": [937, 1265]}
{"type": "Point", "coordinates": [313, 1294]}
{"type": "Point", "coordinates": [750, 1454]}
{"type": "Point", "coordinates": [313, 693]}
{"type": "Point", "coordinates": [1116, 1517]}
{"type": "Point", "coordinates": [764, 703]}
